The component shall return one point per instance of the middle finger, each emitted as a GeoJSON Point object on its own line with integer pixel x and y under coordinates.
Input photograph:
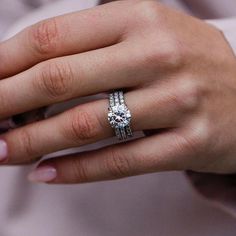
{"type": "Point", "coordinates": [68, 77]}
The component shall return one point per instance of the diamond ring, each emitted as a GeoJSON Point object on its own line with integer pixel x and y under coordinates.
{"type": "Point", "coordinates": [119, 115]}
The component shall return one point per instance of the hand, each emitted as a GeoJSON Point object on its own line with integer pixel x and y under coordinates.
{"type": "Point", "coordinates": [179, 74]}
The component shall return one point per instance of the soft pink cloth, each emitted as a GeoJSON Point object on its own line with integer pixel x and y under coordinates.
{"type": "Point", "coordinates": [162, 204]}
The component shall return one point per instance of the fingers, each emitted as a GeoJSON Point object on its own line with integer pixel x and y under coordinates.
{"type": "Point", "coordinates": [64, 35]}
{"type": "Point", "coordinates": [65, 78]}
{"type": "Point", "coordinates": [155, 153]}
{"type": "Point", "coordinates": [87, 124]}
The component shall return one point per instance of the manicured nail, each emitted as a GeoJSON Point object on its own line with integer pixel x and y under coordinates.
{"type": "Point", "coordinates": [3, 150]}
{"type": "Point", "coordinates": [43, 174]}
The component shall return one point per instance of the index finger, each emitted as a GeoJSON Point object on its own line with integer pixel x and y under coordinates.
{"type": "Point", "coordinates": [63, 35]}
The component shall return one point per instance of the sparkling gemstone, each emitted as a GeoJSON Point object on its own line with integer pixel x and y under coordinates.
{"type": "Point", "coordinates": [119, 116]}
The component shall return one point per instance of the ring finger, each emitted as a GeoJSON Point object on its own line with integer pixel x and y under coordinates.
{"type": "Point", "coordinates": [87, 123]}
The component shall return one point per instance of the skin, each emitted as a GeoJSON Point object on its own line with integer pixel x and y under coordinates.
{"type": "Point", "coordinates": [178, 73]}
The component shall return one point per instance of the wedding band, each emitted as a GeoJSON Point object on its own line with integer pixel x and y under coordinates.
{"type": "Point", "coordinates": [119, 115]}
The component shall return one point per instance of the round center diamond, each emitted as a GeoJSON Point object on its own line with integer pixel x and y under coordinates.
{"type": "Point", "coordinates": [119, 116]}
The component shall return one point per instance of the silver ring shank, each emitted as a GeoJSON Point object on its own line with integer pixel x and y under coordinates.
{"type": "Point", "coordinates": [116, 98]}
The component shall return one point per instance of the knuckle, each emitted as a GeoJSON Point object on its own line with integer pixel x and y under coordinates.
{"type": "Point", "coordinates": [55, 79]}
{"type": "Point", "coordinates": [83, 126]}
{"type": "Point", "coordinates": [188, 143]}
{"type": "Point", "coordinates": [174, 53]}
{"type": "Point", "coordinates": [44, 36]}
{"type": "Point", "coordinates": [170, 55]}
{"type": "Point", "coordinates": [188, 95]}
{"type": "Point", "coordinates": [118, 164]}
{"type": "Point", "coordinates": [203, 144]}
{"type": "Point", "coordinates": [26, 143]}
{"type": "Point", "coordinates": [196, 140]}
{"type": "Point", "coordinates": [79, 170]}
{"type": "Point", "coordinates": [148, 12]}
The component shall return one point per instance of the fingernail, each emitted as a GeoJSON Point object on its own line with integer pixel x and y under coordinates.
{"type": "Point", "coordinates": [43, 174]}
{"type": "Point", "coordinates": [3, 150]}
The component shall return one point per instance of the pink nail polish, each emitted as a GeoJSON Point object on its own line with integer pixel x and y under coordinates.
{"type": "Point", "coordinates": [3, 150]}
{"type": "Point", "coordinates": [43, 174]}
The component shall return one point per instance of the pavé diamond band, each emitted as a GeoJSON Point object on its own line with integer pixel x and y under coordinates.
{"type": "Point", "coordinates": [119, 115]}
